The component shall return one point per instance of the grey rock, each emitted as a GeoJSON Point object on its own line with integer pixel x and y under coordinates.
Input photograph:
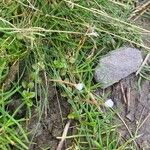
{"type": "Point", "coordinates": [117, 65]}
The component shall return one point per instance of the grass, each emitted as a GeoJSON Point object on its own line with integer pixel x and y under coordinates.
{"type": "Point", "coordinates": [63, 40]}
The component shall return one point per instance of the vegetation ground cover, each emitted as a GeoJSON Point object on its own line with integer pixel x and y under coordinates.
{"type": "Point", "coordinates": [62, 42]}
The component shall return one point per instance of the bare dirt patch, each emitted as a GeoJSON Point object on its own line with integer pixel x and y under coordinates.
{"type": "Point", "coordinates": [134, 109]}
{"type": "Point", "coordinates": [46, 130]}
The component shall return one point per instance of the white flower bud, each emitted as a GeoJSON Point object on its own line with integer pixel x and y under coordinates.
{"type": "Point", "coordinates": [95, 34]}
{"type": "Point", "coordinates": [79, 86]}
{"type": "Point", "coordinates": [109, 103]}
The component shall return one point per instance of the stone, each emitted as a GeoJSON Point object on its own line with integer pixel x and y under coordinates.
{"type": "Point", "coordinates": [117, 65]}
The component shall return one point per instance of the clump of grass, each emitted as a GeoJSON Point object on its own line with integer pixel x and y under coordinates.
{"type": "Point", "coordinates": [11, 130]}
{"type": "Point", "coordinates": [64, 39]}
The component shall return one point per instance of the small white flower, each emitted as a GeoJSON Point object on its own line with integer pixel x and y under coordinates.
{"type": "Point", "coordinates": [109, 103]}
{"type": "Point", "coordinates": [79, 86]}
{"type": "Point", "coordinates": [71, 5]}
{"type": "Point", "coordinates": [93, 34]}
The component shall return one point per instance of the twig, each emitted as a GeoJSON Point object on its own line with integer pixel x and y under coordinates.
{"type": "Point", "coordinates": [140, 10]}
{"type": "Point", "coordinates": [60, 145]}
{"type": "Point", "coordinates": [138, 125]}
{"type": "Point", "coordinates": [128, 98]}
{"type": "Point", "coordinates": [76, 136]}
{"type": "Point", "coordinates": [60, 110]}
{"type": "Point", "coordinates": [123, 93]}
{"type": "Point", "coordinates": [127, 129]}
{"type": "Point", "coordinates": [46, 83]}
{"type": "Point", "coordinates": [144, 120]}
{"type": "Point", "coordinates": [142, 65]}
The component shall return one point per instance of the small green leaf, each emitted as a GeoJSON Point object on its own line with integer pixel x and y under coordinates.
{"type": "Point", "coordinates": [60, 64]}
{"type": "Point", "coordinates": [73, 115]}
{"type": "Point", "coordinates": [31, 94]}
{"type": "Point", "coordinates": [30, 85]}
{"type": "Point", "coordinates": [24, 84]}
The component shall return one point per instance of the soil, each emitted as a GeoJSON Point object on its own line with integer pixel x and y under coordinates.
{"type": "Point", "coordinates": [44, 133]}
{"type": "Point", "coordinates": [134, 109]}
